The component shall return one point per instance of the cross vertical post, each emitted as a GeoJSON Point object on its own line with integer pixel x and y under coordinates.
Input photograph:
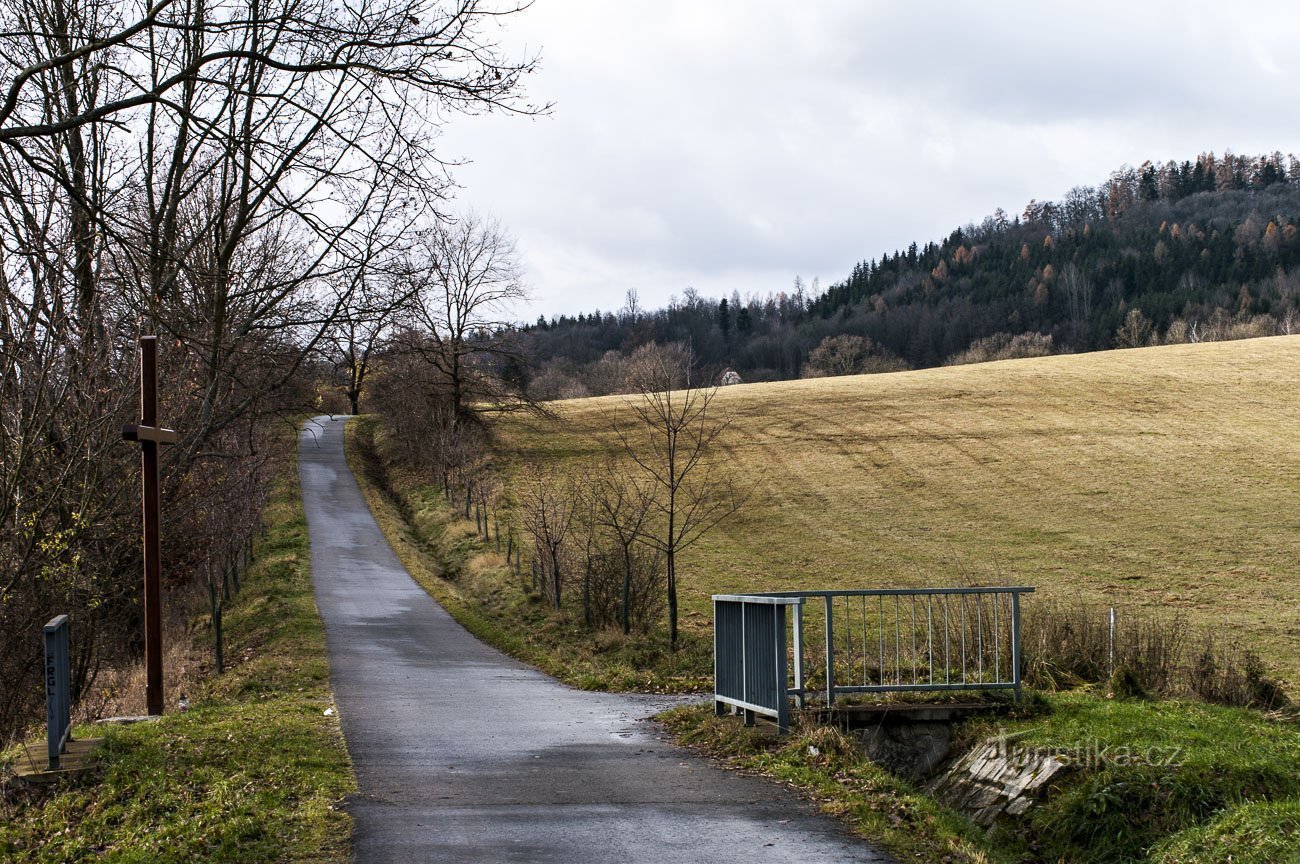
{"type": "Point", "coordinates": [150, 436]}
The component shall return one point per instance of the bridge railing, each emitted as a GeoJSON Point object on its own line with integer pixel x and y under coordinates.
{"type": "Point", "coordinates": [886, 640]}
{"type": "Point", "coordinates": [750, 653]}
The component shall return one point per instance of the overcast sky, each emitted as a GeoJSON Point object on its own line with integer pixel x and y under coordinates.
{"type": "Point", "coordinates": [732, 144]}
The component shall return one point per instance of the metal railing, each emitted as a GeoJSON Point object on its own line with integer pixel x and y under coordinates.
{"type": "Point", "coordinates": [875, 641]}
{"type": "Point", "coordinates": [750, 650]}
{"type": "Point", "coordinates": [893, 640]}
{"type": "Point", "coordinates": [58, 689]}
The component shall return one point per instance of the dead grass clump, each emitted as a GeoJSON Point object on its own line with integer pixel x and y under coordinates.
{"type": "Point", "coordinates": [1228, 674]}
{"type": "Point", "coordinates": [120, 691]}
{"type": "Point", "coordinates": [824, 746]}
{"type": "Point", "coordinates": [1149, 653]}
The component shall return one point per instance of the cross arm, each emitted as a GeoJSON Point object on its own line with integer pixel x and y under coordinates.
{"type": "Point", "coordinates": [140, 432]}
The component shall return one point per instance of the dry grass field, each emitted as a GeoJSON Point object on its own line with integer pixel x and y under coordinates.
{"type": "Point", "coordinates": [1154, 478]}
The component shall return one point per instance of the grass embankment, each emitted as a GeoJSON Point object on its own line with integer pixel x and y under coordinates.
{"type": "Point", "coordinates": [1160, 478]}
{"type": "Point", "coordinates": [472, 581]}
{"type": "Point", "coordinates": [253, 772]}
{"type": "Point", "coordinates": [1164, 783]}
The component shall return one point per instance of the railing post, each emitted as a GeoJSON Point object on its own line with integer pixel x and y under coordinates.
{"type": "Point", "coordinates": [830, 651]}
{"type": "Point", "coordinates": [797, 638]}
{"type": "Point", "coordinates": [58, 699]}
{"type": "Point", "coordinates": [719, 707]}
{"type": "Point", "coordinates": [1015, 642]}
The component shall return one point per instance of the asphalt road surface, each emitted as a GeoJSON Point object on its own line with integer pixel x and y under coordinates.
{"type": "Point", "coordinates": [463, 754]}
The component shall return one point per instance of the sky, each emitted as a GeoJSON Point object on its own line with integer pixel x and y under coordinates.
{"type": "Point", "coordinates": [731, 145]}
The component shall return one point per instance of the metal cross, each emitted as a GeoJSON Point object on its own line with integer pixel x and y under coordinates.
{"type": "Point", "coordinates": [150, 435]}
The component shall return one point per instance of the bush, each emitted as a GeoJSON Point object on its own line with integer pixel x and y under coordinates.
{"type": "Point", "coordinates": [847, 354]}
{"type": "Point", "coordinates": [1004, 346]}
{"type": "Point", "coordinates": [647, 586]}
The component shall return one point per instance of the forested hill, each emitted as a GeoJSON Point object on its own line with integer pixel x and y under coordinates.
{"type": "Point", "coordinates": [1172, 252]}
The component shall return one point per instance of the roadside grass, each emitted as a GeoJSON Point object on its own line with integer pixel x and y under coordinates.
{"type": "Point", "coordinates": [253, 772]}
{"type": "Point", "coordinates": [1267, 832]}
{"type": "Point", "coordinates": [1153, 770]}
{"type": "Point", "coordinates": [1161, 782]}
{"type": "Point", "coordinates": [1153, 479]}
{"type": "Point", "coordinates": [471, 580]}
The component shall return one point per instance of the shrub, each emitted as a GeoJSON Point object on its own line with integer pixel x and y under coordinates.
{"type": "Point", "coordinates": [644, 569]}
{"type": "Point", "coordinates": [1004, 346]}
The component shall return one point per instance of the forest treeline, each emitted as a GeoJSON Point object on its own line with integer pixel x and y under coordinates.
{"type": "Point", "coordinates": [1203, 249]}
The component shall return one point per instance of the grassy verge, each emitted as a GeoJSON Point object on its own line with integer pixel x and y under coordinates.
{"type": "Point", "coordinates": [252, 772]}
{"type": "Point", "coordinates": [1158, 782]}
{"type": "Point", "coordinates": [471, 580]}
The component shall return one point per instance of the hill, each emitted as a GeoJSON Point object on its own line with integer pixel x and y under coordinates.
{"type": "Point", "coordinates": [1164, 477]}
{"type": "Point", "coordinates": [1165, 253]}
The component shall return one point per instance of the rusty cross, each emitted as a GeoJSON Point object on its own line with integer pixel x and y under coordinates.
{"type": "Point", "coordinates": [150, 436]}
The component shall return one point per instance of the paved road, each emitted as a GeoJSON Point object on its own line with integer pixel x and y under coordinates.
{"type": "Point", "coordinates": [465, 755]}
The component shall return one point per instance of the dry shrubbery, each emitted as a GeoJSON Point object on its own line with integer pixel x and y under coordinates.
{"type": "Point", "coordinates": [590, 555]}
{"type": "Point", "coordinates": [1066, 644]}
{"type": "Point", "coordinates": [1223, 327]}
{"type": "Point", "coordinates": [847, 354]}
{"type": "Point", "coordinates": [1004, 346]}
{"type": "Point", "coordinates": [606, 572]}
{"type": "Point", "coordinates": [613, 373]}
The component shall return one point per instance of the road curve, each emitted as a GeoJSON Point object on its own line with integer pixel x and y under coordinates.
{"type": "Point", "coordinates": [465, 755]}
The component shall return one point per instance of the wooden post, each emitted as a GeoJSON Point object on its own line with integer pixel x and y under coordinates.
{"type": "Point", "coordinates": [150, 436]}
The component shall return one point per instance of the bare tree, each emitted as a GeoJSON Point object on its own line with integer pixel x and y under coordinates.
{"type": "Point", "coordinates": [468, 280]}
{"type": "Point", "coordinates": [672, 443]}
{"type": "Point", "coordinates": [622, 507]}
{"type": "Point", "coordinates": [843, 354]}
{"type": "Point", "coordinates": [1078, 293]}
{"type": "Point", "coordinates": [375, 294]}
{"type": "Point", "coordinates": [549, 506]}
{"type": "Point", "coordinates": [1135, 332]}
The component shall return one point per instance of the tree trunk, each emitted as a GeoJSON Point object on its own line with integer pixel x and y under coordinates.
{"type": "Point", "coordinates": [627, 590]}
{"type": "Point", "coordinates": [672, 601]}
{"type": "Point", "coordinates": [555, 576]}
{"type": "Point", "coordinates": [586, 596]}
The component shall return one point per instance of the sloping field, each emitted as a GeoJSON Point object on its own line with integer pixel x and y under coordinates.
{"type": "Point", "coordinates": [1159, 477]}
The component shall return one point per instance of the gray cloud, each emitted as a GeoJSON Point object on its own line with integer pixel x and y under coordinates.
{"type": "Point", "coordinates": [732, 145]}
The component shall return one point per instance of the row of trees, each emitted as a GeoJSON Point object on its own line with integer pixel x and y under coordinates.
{"type": "Point", "coordinates": [620, 528]}
{"type": "Point", "coordinates": [664, 490]}
{"type": "Point", "coordinates": [241, 178]}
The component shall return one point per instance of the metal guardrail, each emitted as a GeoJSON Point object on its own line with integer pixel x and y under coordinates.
{"type": "Point", "coordinates": [894, 640]}
{"type": "Point", "coordinates": [875, 641]}
{"type": "Point", "coordinates": [749, 656]}
{"type": "Point", "coordinates": [58, 689]}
